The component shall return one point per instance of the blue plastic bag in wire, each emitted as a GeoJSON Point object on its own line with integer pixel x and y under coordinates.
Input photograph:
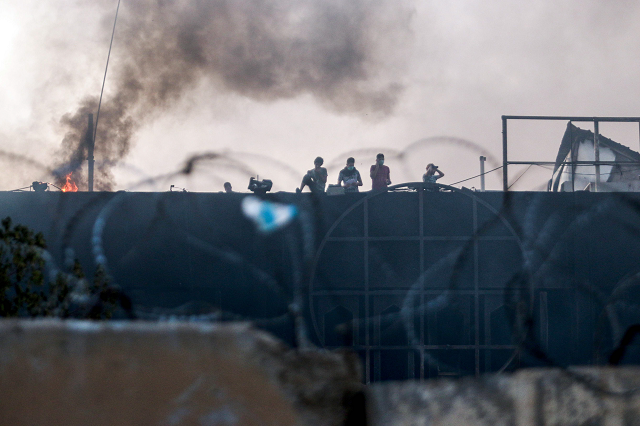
{"type": "Point", "coordinates": [268, 216]}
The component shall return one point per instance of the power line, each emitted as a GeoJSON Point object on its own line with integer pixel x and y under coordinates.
{"type": "Point", "coordinates": [20, 189]}
{"type": "Point", "coordinates": [473, 177]}
{"type": "Point", "coordinates": [539, 165]}
{"type": "Point", "coordinates": [95, 129]}
{"type": "Point", "coordinates": [521, 174]}
{"type": "Point", "coordinates": [31, 186]}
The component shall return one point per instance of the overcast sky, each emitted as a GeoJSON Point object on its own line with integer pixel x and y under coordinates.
{"type": "Point", "coordinates": [270, 85]}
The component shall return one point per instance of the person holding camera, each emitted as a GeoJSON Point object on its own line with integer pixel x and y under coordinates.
{"type": "Point", "coordinates": [431, 176]}
{"type": "Point", "coordinates": [316, 178]}
{"type": "Point", "coordinates": [380, 174]}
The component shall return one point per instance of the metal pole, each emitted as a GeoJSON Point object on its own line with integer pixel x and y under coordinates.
{"type": "Point", "coordinates": [596, 147]}
{"type": "Point", "coordinates": [573, 167]}
{"type": "Point", "coordinates": [505, 175]}
{"type": "Point", "coordinates": [482, 160]}
{"type": "Point", "coordinates": [90, 146]}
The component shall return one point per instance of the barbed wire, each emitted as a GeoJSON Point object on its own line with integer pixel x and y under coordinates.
{"type": "Point", "coordinates": [543, 237]}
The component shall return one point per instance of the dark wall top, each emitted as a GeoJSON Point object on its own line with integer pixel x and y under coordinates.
{"type": "Point", "coordinates": [450, 261]}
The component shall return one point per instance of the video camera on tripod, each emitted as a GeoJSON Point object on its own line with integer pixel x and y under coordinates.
{"type": "Point", "coordinates": [260, 186]}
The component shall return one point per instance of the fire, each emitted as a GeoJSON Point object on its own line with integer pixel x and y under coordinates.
{"type": "Point", "coordinates": [70, 186]}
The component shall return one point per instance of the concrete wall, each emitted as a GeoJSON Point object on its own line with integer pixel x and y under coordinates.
{"type": "Point", "coordinates": [116, 373]}
{"type": "Point", "coordinates": [537, 397]}
{"type": "Point", "coordinates": [70, 373]}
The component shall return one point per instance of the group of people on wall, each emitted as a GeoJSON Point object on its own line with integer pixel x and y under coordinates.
{"type": "Point", "coordinates": [350, 179]}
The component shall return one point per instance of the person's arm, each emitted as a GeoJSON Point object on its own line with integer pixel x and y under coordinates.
{"type": "Point", "coordinates": [305, 180]}
{"type": "Point", "coordinates": [374, 170]}
{"type": "Point", "coordinates": [347, 181]}
{"type": "Point", "coordinates": [440, 173]}
{"type": "Point", "coordinates": [388, 176]}
{"type": "Point", "coordinates": [359, 183]}
{"type": "Point", "coordinates": [340, 179]}
{"type": "Point", "coordinates": [323, 175]}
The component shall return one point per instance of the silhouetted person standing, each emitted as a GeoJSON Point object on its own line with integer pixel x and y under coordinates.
{"type": "Point", "coordinates": [227, 188]}
{"type": "Point", "coordinates": [380, 174]}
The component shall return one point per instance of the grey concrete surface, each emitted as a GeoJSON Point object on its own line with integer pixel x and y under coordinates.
{"type": "Point", "coordinates": [588, 396]}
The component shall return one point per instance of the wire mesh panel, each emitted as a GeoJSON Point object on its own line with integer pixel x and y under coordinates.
{"type": "Point", "coordinates": [420, 268]}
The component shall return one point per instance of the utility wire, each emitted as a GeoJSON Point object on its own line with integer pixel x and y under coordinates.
{"type": "Point", "coordinates": [473, 177]}
{"type": "Point", "coordinates": [31, 186]}
{"type": "Point", "coordinates": [585, 174]}
{"type": "Point", "coordinates": [521, 174]}
{"type": "Point", "coordinates": [95, 129]}
{"type": "Point", "coordinates": [20, 189]}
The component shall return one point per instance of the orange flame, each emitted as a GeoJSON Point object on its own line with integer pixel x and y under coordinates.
{"type": "Point", "coordinates": [70, 186]}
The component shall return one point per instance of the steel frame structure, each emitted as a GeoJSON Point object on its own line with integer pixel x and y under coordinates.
{"type": "Point", "coordinates": [595, 120]}
{"type": "Point", "coordinates": [369, 321]}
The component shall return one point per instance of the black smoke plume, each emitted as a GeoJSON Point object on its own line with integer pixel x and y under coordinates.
{"type": "Point", "coordinates": [345, 53]}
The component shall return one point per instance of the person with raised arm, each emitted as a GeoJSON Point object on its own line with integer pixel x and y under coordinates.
{"type": "Point", "coordinates": [431, 176]}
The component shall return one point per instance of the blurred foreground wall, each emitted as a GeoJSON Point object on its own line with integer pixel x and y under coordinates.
{"type": "Point", "coordinates": [55, 372]}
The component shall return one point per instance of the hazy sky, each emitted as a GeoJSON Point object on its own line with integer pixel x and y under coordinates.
{"type": "Point", "coordinates": [270, 85]}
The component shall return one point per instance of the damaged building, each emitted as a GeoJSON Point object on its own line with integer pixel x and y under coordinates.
{"type": "Point", "coordinates": [577, 165]}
